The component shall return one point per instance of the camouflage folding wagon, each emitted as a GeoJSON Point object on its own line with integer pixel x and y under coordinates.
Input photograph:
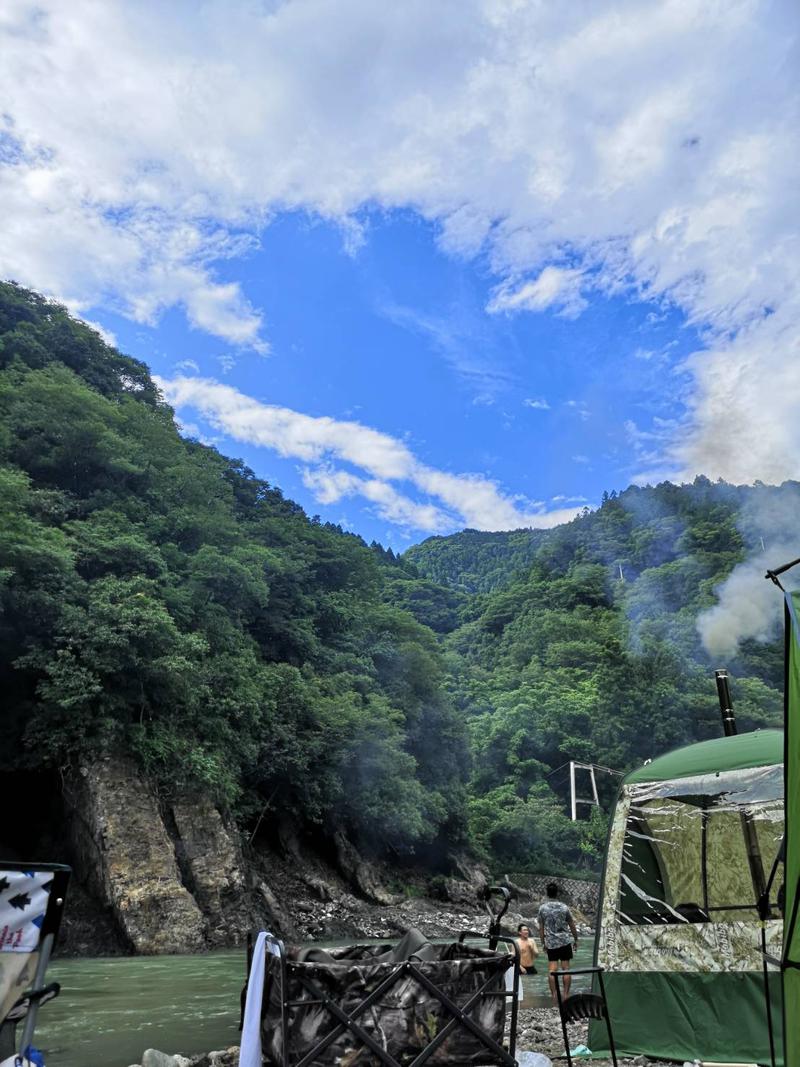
{"type": "Point", "coordinates": [411, 1004]}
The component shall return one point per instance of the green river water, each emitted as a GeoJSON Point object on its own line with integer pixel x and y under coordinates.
{"type": "Point", "coordinates": [111, 1009]}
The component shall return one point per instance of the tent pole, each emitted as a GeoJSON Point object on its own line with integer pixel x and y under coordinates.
{"type": "Point", "coordinates": [704, 857]}
{"type": "Point", "coordinates": [753, 855]}
{"type": "Point", "coordinates": [765, 965]}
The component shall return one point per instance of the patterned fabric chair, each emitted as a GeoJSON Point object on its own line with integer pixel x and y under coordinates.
{"type": "Point", "coordinates": [31, 905]}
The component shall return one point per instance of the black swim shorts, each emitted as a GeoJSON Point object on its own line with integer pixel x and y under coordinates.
{"type": "Point", "coordinates": [563, 952]}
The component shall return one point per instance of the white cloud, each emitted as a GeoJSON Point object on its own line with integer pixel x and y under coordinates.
{"type": "Point", "coordinates": [562, 499]}
{"type": "Point", "coordinates": [189, 365]}
{"type": "Point", "coordinates": [746, 407]}
{"type": "Point", "coordinates": [555, 287]}
{"type": "Point", "coordinates": [321, 442]}
{"type": "Point", "coordinates": [537, 403]}
{"type": "Point", "coordinates": [143, 144]}
{"type": "Point", "coordinates": [107, 335]}
{"type": "Point", "coordinates": [329, 486]}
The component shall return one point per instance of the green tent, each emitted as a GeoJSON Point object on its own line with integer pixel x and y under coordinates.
{"type": "Point", "coordinates": [693, 835]}
{"type": "Point", "coordinates": [791, 939]}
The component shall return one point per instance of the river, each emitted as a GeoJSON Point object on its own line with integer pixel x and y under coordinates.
{"type": "Point", "coordinates": [111, 1009]}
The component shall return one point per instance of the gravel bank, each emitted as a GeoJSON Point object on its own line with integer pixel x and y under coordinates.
{"type": "Point", "coordinates": [539, 1030]}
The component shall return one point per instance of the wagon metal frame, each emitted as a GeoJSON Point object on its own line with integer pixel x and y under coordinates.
{"type": "Point", "coordinates": [291, 973]}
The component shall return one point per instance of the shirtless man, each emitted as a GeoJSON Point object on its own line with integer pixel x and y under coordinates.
{"type": "Point", "coordinates": [528, 949]}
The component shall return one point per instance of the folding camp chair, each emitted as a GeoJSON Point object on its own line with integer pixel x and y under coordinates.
{"type": "Point", "coordinates": [579, 1007]}
{"type": "Point", "coordinates": [31, 905]}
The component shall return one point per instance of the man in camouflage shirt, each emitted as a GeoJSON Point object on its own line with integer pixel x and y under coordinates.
{"type": "Point", "coordinates": [558, 933]}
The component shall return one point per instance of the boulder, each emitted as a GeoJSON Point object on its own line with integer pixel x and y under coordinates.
{"type": "Point", "coordinates": [154, 1058]}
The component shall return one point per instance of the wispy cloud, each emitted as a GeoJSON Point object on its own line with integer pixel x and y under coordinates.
{"type": "Point", "coordinates": [330, 485]}
{"type": "Point", "coordinates": [323, 444]}
{"type": "Point", "coordinates": [557, 287]}
{"type": "Point", "coordinates": [579, 407]}
{"type": "Point", "coordinates": [460, 336]}
{"type": "Point", "coordinates": [189, 365]}
{"type": "Point", "coordinates": [648, 450]}
{"type": "Point", "coordinates": [537, 403]}
{"type": "Point", "coordinates": [561, 499]}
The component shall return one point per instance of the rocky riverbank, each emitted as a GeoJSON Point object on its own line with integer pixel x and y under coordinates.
{"type": "Point", "coordinates": [152, 876]}
{"type": "Point", "coordinates": [539, 1030]}
{"type": "Point", "coordinates": [155, 875]}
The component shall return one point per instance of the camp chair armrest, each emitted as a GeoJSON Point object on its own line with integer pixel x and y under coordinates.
{"type": "Point", "coordinates": [584, 970]}
{"type": "Point", "coordinates": [21, 1007]}
{"type": "Point", "coordinates": [48, 992]}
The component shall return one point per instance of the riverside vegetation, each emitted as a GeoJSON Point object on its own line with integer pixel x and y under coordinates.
{"type": "Point", "coordinates": [159, 600]}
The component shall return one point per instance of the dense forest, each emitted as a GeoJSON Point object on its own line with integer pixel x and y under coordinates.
{"type": "Point", "coordinates": [585, 646]}
{"type": "Point", "coordinates": [158, 598]}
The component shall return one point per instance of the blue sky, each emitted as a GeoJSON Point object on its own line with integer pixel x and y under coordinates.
{"type": "Point", "coordinates": [395, 334]}
{"type": "Point", "coordinates": [427, 266]}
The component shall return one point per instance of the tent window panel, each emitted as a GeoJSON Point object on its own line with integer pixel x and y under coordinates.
{"type": "Point", "coordinates": [678, 829]}
{"type": "Point", "coordinates": [729, 879]}
{"type": "Point", "coordinates": [685, 857]}
{"type": "Point", "coordinates": [661, 868]}
{"type": "Point", "coordinates": [642, 879]}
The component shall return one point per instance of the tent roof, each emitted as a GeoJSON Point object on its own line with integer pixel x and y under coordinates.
{"type": "Point", "coordinates": [761, 748]}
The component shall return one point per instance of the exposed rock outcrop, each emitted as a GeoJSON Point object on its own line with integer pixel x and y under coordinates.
{"type": "Point", "coordinates": [125, 856]}
{"type": "Point", "coordinates": [468, 881]}
{"type": "Point", "coordinates": [173, 876]}
{"type": "Point", "coordinates": [210, 857]}
{"type": "Point", "coordinates": [362, 874]}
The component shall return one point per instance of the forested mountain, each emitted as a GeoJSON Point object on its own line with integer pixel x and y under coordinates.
{"type": "Point", "coordinates": [591, 650]}
{"type": "Point", "coordinates": [159, 599]}
{"type": "Point", "coordinates": [475, 561]}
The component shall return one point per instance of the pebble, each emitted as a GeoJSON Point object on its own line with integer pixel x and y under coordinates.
{"type": "Point", "coordinates": [222, 1058]}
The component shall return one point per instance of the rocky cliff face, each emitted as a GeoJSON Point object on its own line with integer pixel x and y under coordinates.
{"type": "Point", "coordinates": [126, 857]}
{"type": "Point", "coordinates": [213, 868]}
{"type": "Point", "coordinates": [155, 877]}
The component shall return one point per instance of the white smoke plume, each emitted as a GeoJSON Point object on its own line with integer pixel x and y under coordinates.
{"type": "Point", "coordinates": [748, 606]}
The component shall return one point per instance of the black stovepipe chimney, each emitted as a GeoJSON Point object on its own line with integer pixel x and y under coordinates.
{"type": "Point", "coordinates": [725, 702]}
{"type": "Point", "coordinates": [754, 859]}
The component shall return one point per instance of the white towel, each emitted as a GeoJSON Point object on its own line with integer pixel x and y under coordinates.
{"type": "Point", "coordinates": [510, 983]}
{"type": "Point", "coordinates": [250, 1052]}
